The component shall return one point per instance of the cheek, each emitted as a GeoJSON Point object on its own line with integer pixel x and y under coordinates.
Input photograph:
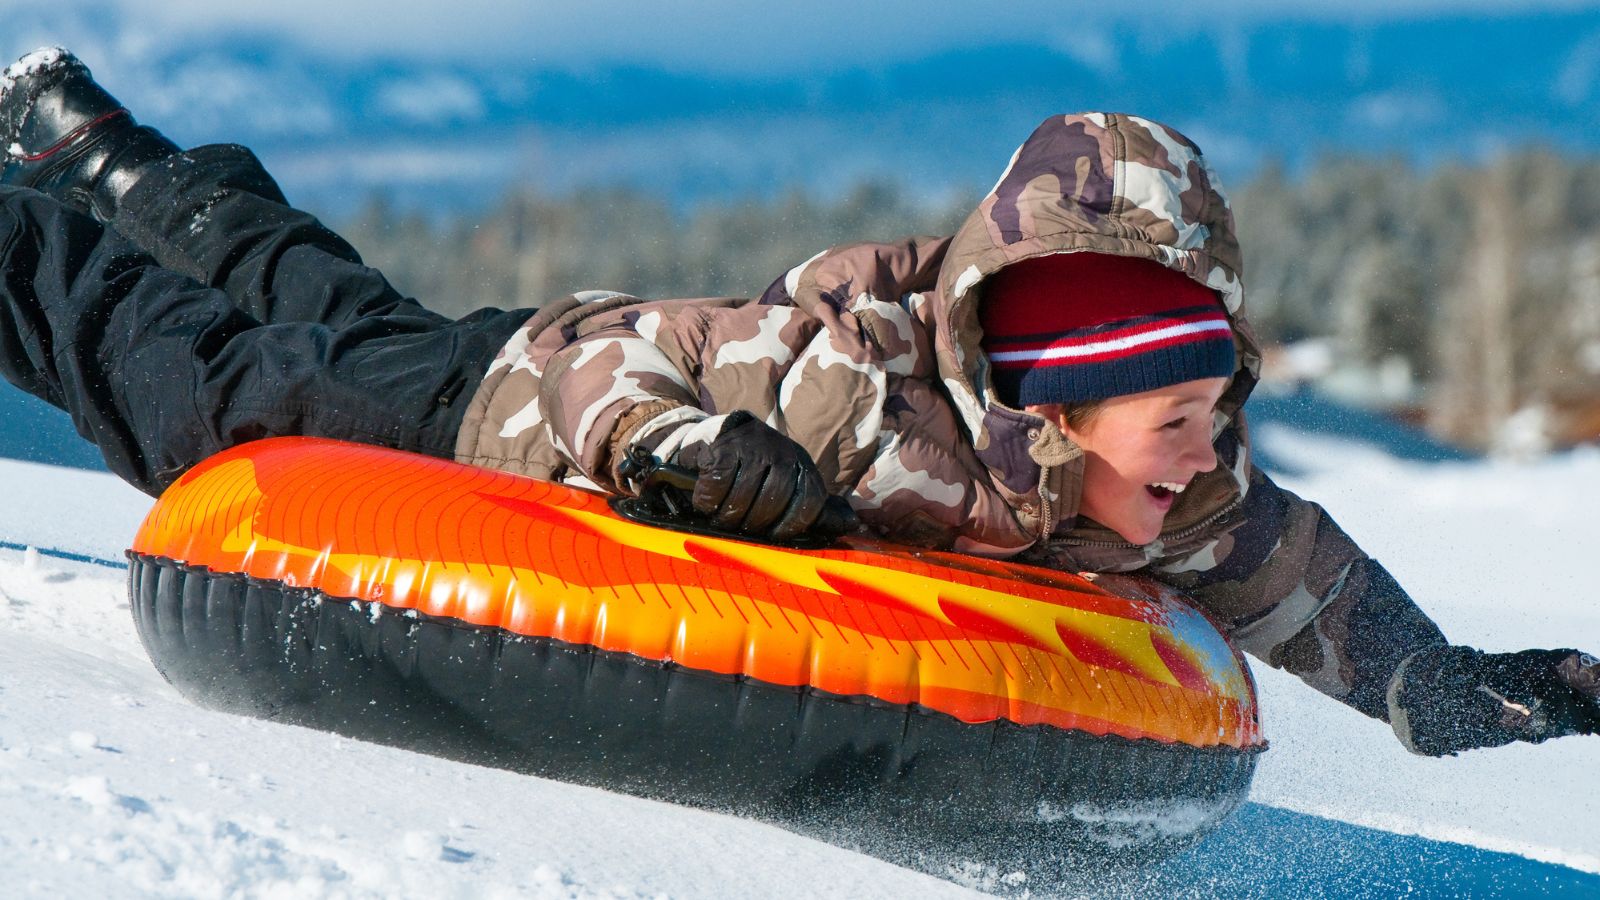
{"type": "Point", "coordinates": [1137, 461]}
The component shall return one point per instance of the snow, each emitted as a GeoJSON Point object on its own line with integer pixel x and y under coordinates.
{"type": "Point", "coordinates": [113, 785]}
{"type": "Point", "coordinates": [32, 62]}
{"type": "Point", "coordinates": [1122, 825]}
{"type": "Point", "coordinates": [71, 510]}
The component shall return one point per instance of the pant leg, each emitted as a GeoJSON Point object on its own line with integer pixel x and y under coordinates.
{"type": "Point", "coordinates": [161, 371]}
{"type": "Point", "coordinates": [215, 215]}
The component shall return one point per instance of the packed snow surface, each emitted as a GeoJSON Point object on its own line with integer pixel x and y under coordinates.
{"type": "Point", "coordinates": [112, 785]}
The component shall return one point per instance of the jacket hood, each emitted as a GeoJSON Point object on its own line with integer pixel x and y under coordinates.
{"type": "Point", "coordinates": [1088, 183]}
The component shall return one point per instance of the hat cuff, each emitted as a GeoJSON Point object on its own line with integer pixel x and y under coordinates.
{"type": "Point", "coordinates": [1077, 383]}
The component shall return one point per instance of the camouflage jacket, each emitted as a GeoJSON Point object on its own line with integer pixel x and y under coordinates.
{"type": "Point", "coordinates": [868, 356]}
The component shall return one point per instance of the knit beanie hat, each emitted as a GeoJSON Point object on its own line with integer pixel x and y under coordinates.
{"type": "Point", "coordinates": [1072, 327]}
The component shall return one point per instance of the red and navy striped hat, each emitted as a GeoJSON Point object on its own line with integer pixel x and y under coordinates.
{"type": "Point", "coordinates": [1073, 327]}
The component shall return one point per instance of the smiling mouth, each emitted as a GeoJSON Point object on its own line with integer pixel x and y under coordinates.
{"type": "Point", "coordinates": [1161, 490]}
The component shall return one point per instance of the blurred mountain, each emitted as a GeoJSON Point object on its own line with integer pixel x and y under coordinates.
{"type": "Point", "coordinates": [33, 430]}
{"type": "Point", "coordinates": [452, 135]}
{"type": "Point", "coordinates": [1307, 412]}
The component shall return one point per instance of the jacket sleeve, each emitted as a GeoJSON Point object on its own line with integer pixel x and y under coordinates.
{"type": "Point", "coordinates": [661, 375]}
{"type": "Point", "coordinates": [618, 370]}
{"type": "Point", "coordinates": [664, 374]}
{"type": "Point", "coordinates": [1291, 588]}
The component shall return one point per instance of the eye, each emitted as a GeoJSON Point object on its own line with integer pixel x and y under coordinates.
{"type": "Point", "coordinates": [1175, 424]}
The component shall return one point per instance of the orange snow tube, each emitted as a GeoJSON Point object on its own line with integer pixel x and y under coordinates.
{"type": "Point", "coordinates": [924, 706]}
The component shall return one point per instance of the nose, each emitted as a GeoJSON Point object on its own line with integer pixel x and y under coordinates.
{"type": "Point", "coordinates": [1199, 452]}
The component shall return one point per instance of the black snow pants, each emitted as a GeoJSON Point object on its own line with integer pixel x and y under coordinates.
{"type": "Point", "coordinates": [212, 313]}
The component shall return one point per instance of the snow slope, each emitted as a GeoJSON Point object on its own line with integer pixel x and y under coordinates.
{"type": "Point", "coordinates": [113, 785]}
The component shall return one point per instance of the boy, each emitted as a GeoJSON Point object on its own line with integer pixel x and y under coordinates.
{"type": "Point", "coordinates": [1062, 380]}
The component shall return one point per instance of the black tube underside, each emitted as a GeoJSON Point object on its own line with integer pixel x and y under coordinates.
{"type": "Point", "coordinates": [899, 781]}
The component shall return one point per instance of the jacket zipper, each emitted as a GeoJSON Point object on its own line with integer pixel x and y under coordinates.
{"type": "Point", "coordinates": [1165, 538]}
{"type": "Point", "coordinates": [1047, 517]}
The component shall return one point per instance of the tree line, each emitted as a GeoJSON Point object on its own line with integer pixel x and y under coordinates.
{"type": "Point", "coordinates": [1461, 296]}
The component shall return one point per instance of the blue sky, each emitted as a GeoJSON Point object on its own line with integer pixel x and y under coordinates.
{"type": "Point", "coordinates": [456, 100]}
{"type": "Point", "coordinates": [704, 34]}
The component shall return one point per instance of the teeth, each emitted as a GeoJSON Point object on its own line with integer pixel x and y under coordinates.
{"type": "Point", "coordinates": [1172, 486]}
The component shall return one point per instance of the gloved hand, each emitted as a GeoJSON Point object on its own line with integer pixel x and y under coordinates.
{"type": "Point", "coordinates": [755, 480]}
{"type": "Point", "coordinates": [1447, 699]}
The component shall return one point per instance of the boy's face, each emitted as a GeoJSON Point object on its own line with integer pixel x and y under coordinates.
{"type": "Point", "coordinates": [1141, 450]}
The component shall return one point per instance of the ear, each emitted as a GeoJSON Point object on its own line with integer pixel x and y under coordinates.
{"type": "Point", "coordinates": [1054, 413]}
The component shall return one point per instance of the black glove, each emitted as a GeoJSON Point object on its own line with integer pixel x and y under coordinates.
{"type": "Point", "coordinates": [1447, 699]}
{"type": "Point", "coordinates": [755, 480]}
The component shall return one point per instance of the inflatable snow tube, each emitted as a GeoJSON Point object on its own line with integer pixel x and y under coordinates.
{"type": "Point", "coordinates": [927, 707]}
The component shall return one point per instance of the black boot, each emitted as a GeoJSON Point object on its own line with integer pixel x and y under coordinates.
{"type": "Point", "coordinates": [66, 137]}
